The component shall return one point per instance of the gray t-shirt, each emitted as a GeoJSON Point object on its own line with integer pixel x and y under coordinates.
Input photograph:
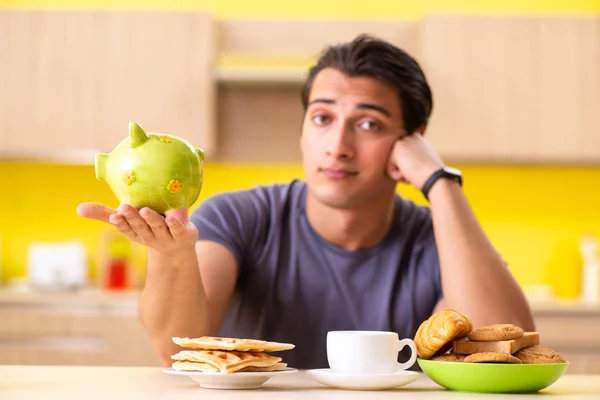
{"type": "Point", "coordinates": [294, 287]}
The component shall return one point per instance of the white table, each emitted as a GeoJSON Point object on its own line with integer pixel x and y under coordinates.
{"type": "Point", "coordinates": [148, 383]}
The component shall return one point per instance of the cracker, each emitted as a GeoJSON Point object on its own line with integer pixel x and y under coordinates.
{"type": "Point", "coordinates": [219, 343]}
{"type": "Point", "coordinates": [204, 367]}
{"type": "Point", "coordinates": [227, 361]}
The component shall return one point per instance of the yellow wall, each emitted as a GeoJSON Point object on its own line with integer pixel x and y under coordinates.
{"type": "Point", "coordinates": [356, 9]}
{"type": "Point", "coordinates": [530, 213]}
{"type": "Point", "coordinates": [534, 215]}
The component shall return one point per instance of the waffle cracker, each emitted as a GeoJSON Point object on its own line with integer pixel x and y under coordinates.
{"type": "Point", "coordinates": [203, 367]}
{"type": "Point", "coordinates": [227, 361]}
{"type": "Point", "coordinates": [275, 367]}
{"type": "Point", "coordinates": [194, 366]}
{"type": "Point", "coordinates": [219, 343]}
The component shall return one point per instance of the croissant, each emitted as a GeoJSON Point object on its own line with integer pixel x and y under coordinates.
{"type": "Point", "coordinates": [439, 330]}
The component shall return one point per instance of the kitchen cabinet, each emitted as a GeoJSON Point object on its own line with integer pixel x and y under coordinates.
{"type": "Point", "coordinates": [70, 81]}
{"type": "Point", "coordinates": [573, 331]}
{"type": "Point", "coordinates": [514, 89]}
{"type": "Point", "coordinates": [259, 123]}
{"type": "Point", "coordinates": [304, 39]}
{"type": "Point", "coordinates": [507, 89]}
{"type": "Point", "coordinates": [259, 104]}
{"type": "Point", "coordinates": [92, 328]}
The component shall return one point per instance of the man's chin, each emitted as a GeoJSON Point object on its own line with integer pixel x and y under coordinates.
{"type": "Point", "coordinates": [339, 199]}
{"type": "Point", "coordinates": [346, 196]}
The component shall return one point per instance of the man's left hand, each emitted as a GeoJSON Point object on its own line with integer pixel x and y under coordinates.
{"type": "Point", "coordinates": [413, 160]}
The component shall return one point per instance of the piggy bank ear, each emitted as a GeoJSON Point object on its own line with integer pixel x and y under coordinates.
{"type": "Point", "coordinates": [100, 166]}
{"type": "Point", "coordinates": [137, 136]}
{"type": "Point", "coordinates": [200, 154]}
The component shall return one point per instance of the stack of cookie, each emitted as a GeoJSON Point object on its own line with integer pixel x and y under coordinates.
{"type": "Point", "coordinates": [502, 343]}
{"type": "Point", "coordinates": [227, 355]}
{"type": "Point", "coordinates": [448, 335]}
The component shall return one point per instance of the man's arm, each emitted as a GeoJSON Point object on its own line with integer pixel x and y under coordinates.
{"type": "Point", "coordinates": [186, 295]}
{"type": "Point", "coordinates": [188, 282]}
{"type": "Point", "coordinates": [475, 279]}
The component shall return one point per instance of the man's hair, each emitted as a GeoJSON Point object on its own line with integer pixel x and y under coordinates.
{"type": "Point", "coordinates": [369, 56]}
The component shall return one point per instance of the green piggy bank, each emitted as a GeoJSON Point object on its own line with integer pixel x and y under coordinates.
{"type": "Point", "coordinates": [159, 171]}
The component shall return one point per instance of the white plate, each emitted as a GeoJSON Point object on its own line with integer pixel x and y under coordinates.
{"type": "Point", "coordinates": [237, 380]}
{"type": "Point", "coordinates": [363, 382]}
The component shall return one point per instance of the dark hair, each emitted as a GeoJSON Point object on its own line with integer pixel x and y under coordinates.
{"type": "Point", "coordinates": [369, 56]}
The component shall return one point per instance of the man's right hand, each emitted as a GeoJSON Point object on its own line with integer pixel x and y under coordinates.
{"type": "Point", "coordinates": [168, 234]}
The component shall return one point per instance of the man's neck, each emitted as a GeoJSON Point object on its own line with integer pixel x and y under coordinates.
{"type": "Point", "coordinates": [355, 229]}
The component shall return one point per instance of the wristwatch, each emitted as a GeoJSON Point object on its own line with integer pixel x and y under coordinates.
{"type": "Point", "coordinates": [444, 172]}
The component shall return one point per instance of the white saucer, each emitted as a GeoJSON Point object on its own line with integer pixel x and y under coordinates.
{"type": "Point", "coordinates": [363, 382]}
{"type": "Point", "coordinates": [237, 380]}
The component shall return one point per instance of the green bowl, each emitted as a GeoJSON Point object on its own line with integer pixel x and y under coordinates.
{"type": "Point", "coordinates": [492, 378]}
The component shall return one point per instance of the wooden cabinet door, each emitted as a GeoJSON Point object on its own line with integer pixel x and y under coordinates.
{"type": "Point", "coordinates": [73, 331]}
{"type": "Point", "coordinates": [514, 88]}
{"type": "Point", "coordinates": [71, 81]}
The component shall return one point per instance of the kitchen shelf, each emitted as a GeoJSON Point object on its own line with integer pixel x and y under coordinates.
{"type": "Point", "coordinates": [262, 75]}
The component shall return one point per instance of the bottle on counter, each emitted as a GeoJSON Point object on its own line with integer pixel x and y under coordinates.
{"type": "Point", "coordinates": [117, 265]}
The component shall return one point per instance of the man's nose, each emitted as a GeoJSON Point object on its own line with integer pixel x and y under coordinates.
{"type": "Point", "coordinates": [340, 143]}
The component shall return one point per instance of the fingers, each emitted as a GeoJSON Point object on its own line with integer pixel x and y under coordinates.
{"type": "Point", "coordinates": [136, 222]}
{"type": "Point", "coordinates": [180, 229]}
{"type": "Point", "coordinates": [177, 220]}
{"type": "Point", "coordinates": [95, 211]}
{"type": "Point", "coordinates": [122, 226]}
{"type": "Point", "coordinates": [157, 224]}
{"type": "Point", "coordinates": [181, 215]}
{"type": "Point", "coordinates": [176, 227]}
{"type": "Point", "coordinates": [145, 226]}
{"type": "Point", "coordinates": [393, 171]}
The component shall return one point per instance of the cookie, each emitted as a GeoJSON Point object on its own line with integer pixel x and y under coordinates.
{"type": "Point", "coordinates": [539, 355]}
{"type": "Point", "coordinates": [450, 357]}
{"type": "Point", "coordinates": [491, 357]}
{"type": "Point", "coordinates": [495, 332]}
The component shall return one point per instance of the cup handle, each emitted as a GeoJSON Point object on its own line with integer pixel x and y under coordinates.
{"type": "Point", "coordinates": [413, 353]}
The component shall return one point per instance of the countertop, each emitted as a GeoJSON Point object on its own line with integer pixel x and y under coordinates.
{"type": "Point", "coordinates": [131, 296]}
{"type": "Point", "coordinates": [126, 300]}
{"type": "Point", "coordinates": [58, 382]}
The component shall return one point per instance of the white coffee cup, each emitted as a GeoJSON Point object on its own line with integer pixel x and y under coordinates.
{"type": "Point", "coordinates": [367, 352]}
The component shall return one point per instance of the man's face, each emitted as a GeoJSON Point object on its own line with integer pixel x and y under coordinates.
{"type": "Point", "coordinates": [349, 129]}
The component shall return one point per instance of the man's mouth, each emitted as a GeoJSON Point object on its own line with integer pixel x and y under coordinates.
{"type": "Point", "coordinates": [337, 173]}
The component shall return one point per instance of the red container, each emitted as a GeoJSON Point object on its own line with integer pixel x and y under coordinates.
{"type": "Point", "coordinates": [116, 274]}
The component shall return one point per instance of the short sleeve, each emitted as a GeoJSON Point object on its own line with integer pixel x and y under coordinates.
{"type": "Point", "coordinates": [236, 220]}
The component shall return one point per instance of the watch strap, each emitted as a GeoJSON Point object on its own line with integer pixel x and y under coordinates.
{"type": "Point", "coordinates": [440, 173]}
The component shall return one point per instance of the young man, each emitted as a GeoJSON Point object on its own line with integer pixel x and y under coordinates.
{"type": "Point", "coordinates": [340, 250]}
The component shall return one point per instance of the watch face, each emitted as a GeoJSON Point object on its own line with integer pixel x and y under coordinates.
{"type": "Point", "coordinates": [453, 171]}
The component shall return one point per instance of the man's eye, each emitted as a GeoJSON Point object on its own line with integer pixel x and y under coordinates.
{"type": "Point", "coordinates": [320, 119]}
{"type": "Point", "coordinates": [369, 125]}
